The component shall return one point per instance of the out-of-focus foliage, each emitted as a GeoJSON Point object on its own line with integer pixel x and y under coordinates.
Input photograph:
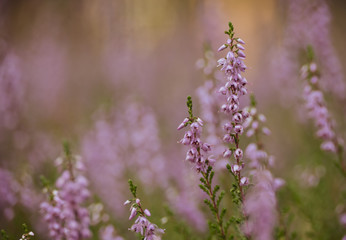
{"type": "Point", "coordinates": [112, 76]}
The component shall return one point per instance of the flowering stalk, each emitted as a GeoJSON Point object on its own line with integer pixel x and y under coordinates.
{"type": "Point", "coordinates": [203, 165]}
{"type": "Point", "coordinates": [142, 225]}
{"type": "Point", "coordinates": [317, 111]}
{"type": "Point", "coordinates": [260, 202]}
{"type": "Point", "coordinates": [63, 212]}
{"type": "Point", "coordinates": [233, 89]}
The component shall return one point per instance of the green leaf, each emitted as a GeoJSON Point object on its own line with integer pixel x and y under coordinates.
{"type": "Point", "coordinates": [204, 189]}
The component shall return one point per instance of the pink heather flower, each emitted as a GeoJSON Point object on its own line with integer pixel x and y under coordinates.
{"type": "Point", "coordinates": [146, 212]}
{"type": "Point", "coordinates": [142, 225]}
{"type": "Point", "coordinates": [260, 202]}
{"type": "Point", "coordinates": [244, 181]}
{"type": "Point", "coordinates": [235, 168]}
{"type": "Point", "coordinates": [197, 153]}
{"type": "Point", "coordinates": [183, 124]}
{"type": "Point", "coordinates": [260, 207]}
{"type": "Point", "coordinates": [317, 110]}
{"type": "Point", "coordinates": [65, 215]}
{"type": "Point", "coordinates": [223, 47]}
{"type": "Point", "coordinates": [117, 135]}
{"type": "Point", "coordinates": [227, 153]}
{"type": "Point", "coordinates": [133, 213]}
{"type": "Point", "coordinates": [238, 154]}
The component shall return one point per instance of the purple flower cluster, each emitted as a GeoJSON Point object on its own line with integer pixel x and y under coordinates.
{"type": "Point", "coordinates": [64, 213]}
{"type": "Point", "coordinates": [142, 225]}
{"type": "Point", "coordinates": [198, 149]}
{"type": "Point", "coordinates": [317, 109]}
{"type": "Point", "coordinates": [260, 207]}
{"type": "Point", "coordinates": [233, 89]}
{"type": "Point", "coordinates": [129, 132]}
{"type": "Point", "coordinates": [260, 202]}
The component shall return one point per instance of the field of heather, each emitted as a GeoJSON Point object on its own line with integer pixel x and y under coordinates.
{"type": "Point", "coordinates": [172, 119]}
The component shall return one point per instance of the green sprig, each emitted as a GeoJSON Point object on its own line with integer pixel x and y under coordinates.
{"type": "Point", "coordinates": [133, 188]}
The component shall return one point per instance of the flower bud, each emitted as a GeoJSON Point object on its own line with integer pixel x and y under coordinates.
{"type": "Point", "coordinates": [146, 212]}
{"type": "Point", "coordinates": [241, 54]}
{"type": "Point", "coordinates": [227, 153]}
{"type": "Point", "coordinates": [239, 40]}
{"type": "Point", "coordinates": [240, 47]}
{"type": "Point", "coordinates": [238, 129]}
{"type": "Point", "coordinates": [133, 213]}
{"type": "Point", "coordinates": [238, 154]}
{"type": "Point", "coordinates": [224, 46]}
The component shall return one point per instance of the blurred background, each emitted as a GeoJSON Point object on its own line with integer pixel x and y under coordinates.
{"type": "Point", "coordinates": [112, 76]}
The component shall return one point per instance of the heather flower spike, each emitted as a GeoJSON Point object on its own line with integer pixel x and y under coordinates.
{"type": "Point", "coordinates": [197, 154]}
{"type": "Point", "coordinates": [260, 202]}
{"type": "Point", "coordinates": [317, 110]}
{"type": "Point", "coordinates": [142, 225]}
{"type": "Point", "coordinates": [64, 212]}
{"type": "Point", "coordinates": [233, 89]}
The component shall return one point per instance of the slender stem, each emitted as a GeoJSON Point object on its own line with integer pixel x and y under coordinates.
{"type": "Point", "coordinates": [210, 190]}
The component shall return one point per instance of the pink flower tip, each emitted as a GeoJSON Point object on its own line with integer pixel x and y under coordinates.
{"type": "Point", "coordinates": [240, 46]}
{"type": "Point", "coordinates": [224, 46]}
{"type": "Point", "coordinates": [244, 181]}
{"type": "Point", "coordinates": [241, 54]}
{"type": "Point", "coordinates": [147, 212]}
{"type": "Point", "coordinates": [133, 213]}
{"type": "Point", "coordinates": [183, 124]}
{"type": "Point", "coordinates": [200, 121]}
{"type": "Point", "coordinates": [239, 40]}
{"type": "Point", "coordinates": [127, 202]}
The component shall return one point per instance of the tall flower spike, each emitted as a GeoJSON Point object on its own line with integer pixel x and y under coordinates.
{"type": "Point", "coordinates": [192, 137]}
{"type": "Point", "coordinates": [203, 165]}
{"type": "Point", "coordinates": [260, 202]}
{"type": "Point", "coordinates": [233, 88]}
{"type": "Point", "coordinates": [317, 110]}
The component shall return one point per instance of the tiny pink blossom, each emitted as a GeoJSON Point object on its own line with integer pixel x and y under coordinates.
{"type": "Point", "coordinates": [224, 46]}
{"type": "Point", "coordinates": [147, 212]}
{"type": "Point", "coordinates": [133, 213]}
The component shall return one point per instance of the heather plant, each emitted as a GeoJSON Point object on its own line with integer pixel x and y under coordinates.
{"type": "Point", "coordinates": [203, 164]}
{"type": "Point", "coordinates": [260, 204]}
{"type": "Point", "coordinates": [64, 212]}
{"type": "Point", "coordinates": [317, 110]}
{"type": "Point", "coordinates": [241, 192]}
{"type": "Point", "coordinates": [142, 225]}
{"type": "Point", "coordinates": [233, 89]}
{"type": "Point", "coordinates": [249, 210]}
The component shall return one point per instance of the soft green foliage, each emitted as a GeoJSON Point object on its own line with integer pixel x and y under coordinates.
{"type": "Point", "coordinates": [133, 188]}
{"type": "Point", "coordinates": [4, 235]}
{"type": "Point", "coordinates": [217, 227]}
{"type": "Point", "coordinates": [189, 106]}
